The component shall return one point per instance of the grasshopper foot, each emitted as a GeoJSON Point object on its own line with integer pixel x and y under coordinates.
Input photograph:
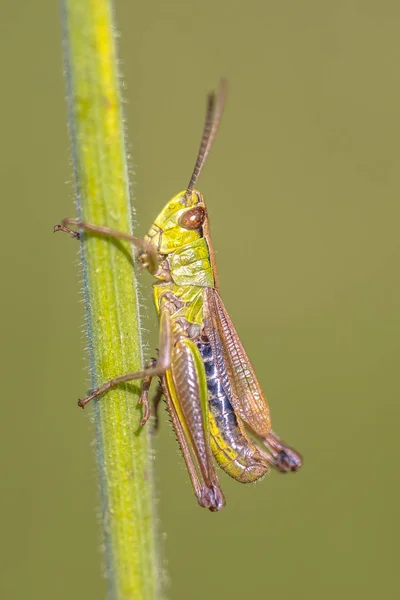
{"type": "Point", "coordinates": [71, 232]}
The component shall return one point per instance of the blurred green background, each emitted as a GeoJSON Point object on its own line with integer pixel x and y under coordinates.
{"type": "Point", "coordinates": [303, 192]}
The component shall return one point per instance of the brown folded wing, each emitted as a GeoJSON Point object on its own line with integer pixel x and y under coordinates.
{"type": "Point", "coordinates": [240, 382]}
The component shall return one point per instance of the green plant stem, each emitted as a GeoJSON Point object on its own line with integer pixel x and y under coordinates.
{"type": "Point", "coordinates": [102, 194]}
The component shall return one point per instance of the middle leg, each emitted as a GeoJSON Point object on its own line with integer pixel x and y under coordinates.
{"type": "Point", "coordinates": [158, 367]}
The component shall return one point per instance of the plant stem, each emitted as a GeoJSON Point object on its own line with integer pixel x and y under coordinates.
{"type": "Point", "coordinates": [102, 195]}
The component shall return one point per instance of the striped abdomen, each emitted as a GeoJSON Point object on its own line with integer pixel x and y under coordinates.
{"type": "Point", "coordinates": [236, 454]}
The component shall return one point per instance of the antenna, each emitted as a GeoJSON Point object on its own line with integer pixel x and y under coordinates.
{"type": "Point", "coordinates": [215, 105]}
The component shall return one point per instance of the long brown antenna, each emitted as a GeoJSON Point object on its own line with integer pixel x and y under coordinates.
{"type": "Point", "coordinates": [215, 105]}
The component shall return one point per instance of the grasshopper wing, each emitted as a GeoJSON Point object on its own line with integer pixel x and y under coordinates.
{"type": "Point", "coordinates": [240, 380]}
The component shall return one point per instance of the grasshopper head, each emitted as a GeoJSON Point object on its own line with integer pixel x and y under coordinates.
{"type": "Point", "coordinates": [182, 219]}
{"type": "Point", "coordinates": [179, 223]}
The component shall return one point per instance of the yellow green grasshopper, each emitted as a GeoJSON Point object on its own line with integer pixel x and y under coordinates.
{"type": "Point", "coordinates": [213, 396]}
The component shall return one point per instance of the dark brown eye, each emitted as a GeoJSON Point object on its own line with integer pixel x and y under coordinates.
{"type": "Point", "coordinates": [193, 218]}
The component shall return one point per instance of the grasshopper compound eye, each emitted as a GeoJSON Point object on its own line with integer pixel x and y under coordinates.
{"type": "Point", "coordinates": [193, 218]}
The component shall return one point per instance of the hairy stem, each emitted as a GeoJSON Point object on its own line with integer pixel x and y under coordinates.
{"type": "Point", "coordinates": [102, 196]}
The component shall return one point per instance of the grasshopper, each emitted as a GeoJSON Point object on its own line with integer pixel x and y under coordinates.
{"type": "Point", "coordinates": [213, 396]}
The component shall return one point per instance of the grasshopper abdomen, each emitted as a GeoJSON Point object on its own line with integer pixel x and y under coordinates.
{"type": "Point", "coordinates": [234, 451]}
